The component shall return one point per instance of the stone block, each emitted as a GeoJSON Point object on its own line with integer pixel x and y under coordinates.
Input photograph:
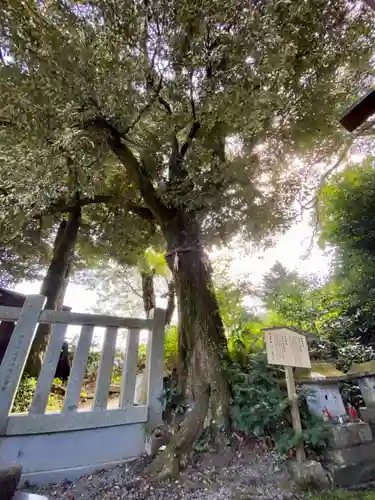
{"type": "Point", "coordinates": [347, 435]}
{"type": "Point", "coordinates": [9, 479]}
{"type": "Point", "coordinates": [353, 455]}
{"type": "Point", "coordinates": [309, 474]}
{"type": "Point", "coordinates": [352, 475]}
{"type": "Point", "coordinates": [368, 414]}
{"type": "Point", "coordinates": [367, 387]}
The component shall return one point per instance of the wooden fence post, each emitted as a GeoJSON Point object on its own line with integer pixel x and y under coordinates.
{"type": "Point", "coordinates": [296, 419]}
{"type": "Point", "coordinates": [155, 369]}
{"type": "Point", "coordinates": [16, 355]}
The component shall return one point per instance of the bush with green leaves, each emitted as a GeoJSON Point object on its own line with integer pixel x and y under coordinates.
{"type": "Point", "coordinates": [353, 352]}
{"type": "Point", "coordinates": [261, 407]}
{"type": "Point", "coordinates": [343, 354]}
{"type": "Point", "coordinates": [170, 350]}
{"type": "Point", "coordinates": [25, 393]}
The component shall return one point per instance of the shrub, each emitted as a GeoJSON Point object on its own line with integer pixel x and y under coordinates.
{"type": "Point", "coordinates": [170, 350]}
{"type": "Point", "coordinates": [24, 394]}
{"type": "Point", "coordinates": [261, 407]}
{"type": "Point", "coordinates": [353, 352]}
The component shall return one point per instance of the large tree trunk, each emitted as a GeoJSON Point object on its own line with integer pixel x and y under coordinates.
{"type": "Point", "coordinates": [203, 346]}
{"type": "Point", "coordinates": [54, 284]}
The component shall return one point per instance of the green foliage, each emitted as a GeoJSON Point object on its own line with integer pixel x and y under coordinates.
{"type": "Point", "coordinates": [353, 352]}
{"type": "Point", "coordinates": [346, 216]}
{"type": "Point", "coordinates": [261, 407]}
{"type": "Point", "coordinates": [302, 302]}
{"type": "Point", "coordinates": [25, 393]}
{"type": "Point", "coordinates": [92, 364]}
{"type": "Point", "coordinates": [170, 350]}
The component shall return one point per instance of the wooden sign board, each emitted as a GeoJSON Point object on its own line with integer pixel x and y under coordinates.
{"type": "Point", "coordinates": [286, 347]}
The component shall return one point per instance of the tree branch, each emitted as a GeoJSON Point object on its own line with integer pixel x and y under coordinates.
{"type": "Point", "coordinates": [136, 170]}
{"type": "Point", "coordinates": [313, 202]}
{"type": "Point", "coordinates": [128, 284]}
{"type": "Point", "coordinates": [193, 132]}
{"type": "Point", "coordinates": [143, 212]}
{"type": "Point", "coordinates": [61, 206]}
{"type": "Point", "coordinates": [165, 105]}
{"type": "Point", "coordinates": [152, 100]}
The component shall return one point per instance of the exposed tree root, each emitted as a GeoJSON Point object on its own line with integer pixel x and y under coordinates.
{"type": "Point", "coordinates": [168, 463]}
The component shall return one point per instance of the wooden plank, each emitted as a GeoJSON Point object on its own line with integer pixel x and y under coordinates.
{"type": "Point", "coordinates": [359, 112]}
{"type": "Point", "coordinates": [129, 373]}
{"type": "Point", "coordinates": [78, 370]}
{"type": "Point", "coordinates": [155, 369]}
{"type": "Point", "coordinates": [72, 421]}
{"type": "Point", "coordinates": [47, 374]}
{"type": "Point", "coordinates": [70, 318]}
{"type": "Point", "coordinates": [286, 347]}
{"type": "Point", "coordinates": [15, 357]}
{"type": "Point", "coordinates": [105, 368]}
{"type": "Point", "coordinates": [296, 419]}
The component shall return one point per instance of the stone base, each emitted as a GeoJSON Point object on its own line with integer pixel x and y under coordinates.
{"type": "Point", "coordinates": [309, 474]}
{"type": "Point", "coordinates": [348, 435]}
{"type": "Point", "coordinates": [351, 475]}
{"type": "Point", "coordinates": [353, 455]}
{"type": "Point", "coordinates": [9, 479]}
{"type": "Point", "coordinates": [20, 495]}
{"type": "Point", "coordinates": [368, 415]}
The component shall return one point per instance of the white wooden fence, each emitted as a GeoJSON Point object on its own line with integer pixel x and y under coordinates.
{"type": "Point", "coordinates": [72, 442]}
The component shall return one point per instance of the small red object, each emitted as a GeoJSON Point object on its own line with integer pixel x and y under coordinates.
{"type": "Point", "coordinates": [352, 411]}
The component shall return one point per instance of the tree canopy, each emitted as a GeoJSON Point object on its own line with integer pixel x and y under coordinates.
{"type": "Point", "coordinates": [245, 81]}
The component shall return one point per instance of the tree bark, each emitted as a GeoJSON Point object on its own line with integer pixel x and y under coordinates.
{"type": "Point", "coordinates": [148, 292]}
{"type": "Point", "coordinates": [170, 302]}
{"type": "Point", "coordinates": [54, 284]}
{"type": "Point", "coordinates": [203, 345]}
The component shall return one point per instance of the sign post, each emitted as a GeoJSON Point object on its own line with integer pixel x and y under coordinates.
{"type": "Point", "coordinates": [288, 348]}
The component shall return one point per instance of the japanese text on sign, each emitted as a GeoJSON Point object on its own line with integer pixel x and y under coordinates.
{"type": "Point", "coordinates": [287, 348]}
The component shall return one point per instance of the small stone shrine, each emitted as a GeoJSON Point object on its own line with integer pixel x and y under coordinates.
{"type": "Point", "coordinates": [350, 456]}
{"type": "Point", "coordinates": [323, 390]}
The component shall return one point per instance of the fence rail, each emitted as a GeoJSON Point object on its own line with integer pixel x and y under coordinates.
{"type": "Point", "coordinates": [70, 318]}
{"type": "Point", "coordinates": [70, 418]}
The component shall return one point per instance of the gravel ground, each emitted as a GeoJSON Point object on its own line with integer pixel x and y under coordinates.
{"type": "Point", "coordinates": [230, 475]}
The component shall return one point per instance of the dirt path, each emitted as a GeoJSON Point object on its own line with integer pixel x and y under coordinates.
{"type": "Point", "coordinates": [113, 402]}
{"type": "Point", "coordinates": [234, 474]}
